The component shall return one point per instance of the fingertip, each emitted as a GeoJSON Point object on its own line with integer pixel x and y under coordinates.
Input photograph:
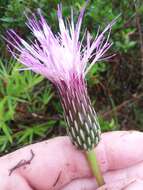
{"type": "Point", "coordinates": [121, 149]}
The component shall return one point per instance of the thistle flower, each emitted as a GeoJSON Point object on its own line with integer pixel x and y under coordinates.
{"type": "Point", "coordinates": [63, 59]}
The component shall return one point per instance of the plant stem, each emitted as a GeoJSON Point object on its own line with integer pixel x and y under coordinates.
{"type": "Point", "coordinates": [91, 156]}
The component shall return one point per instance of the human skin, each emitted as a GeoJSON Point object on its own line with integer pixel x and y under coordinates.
{"type": "Point", "coordinates": [58, 165]}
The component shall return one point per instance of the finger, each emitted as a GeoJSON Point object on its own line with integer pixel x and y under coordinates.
{"type": "Point", "coordinates": [80, 184]}
{"type": "Point", "coordinates": [51, 166]}
{"type": "Point", "coordinates": [115, 180]}
{"type": "Point", "coordinates": [133, 184]}
{"type": "Point", "coordinates": [131, 172]}
{"type": "Point", "coordinates": [90, 184]}
{"type": "Point", "coordinates": [61, 162]}
{"type": "Point", "coordinates": [118, 185]}
{"type": "Point", "coordinates": [122, 149]}
{"type": "Point", "coordinates": [16, 182]}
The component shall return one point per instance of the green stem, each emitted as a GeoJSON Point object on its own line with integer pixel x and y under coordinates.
{"type": "Point", "coordinates": [91, 156]}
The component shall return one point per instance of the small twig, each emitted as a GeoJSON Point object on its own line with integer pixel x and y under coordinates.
{"type": "Point", "coordinates": [117, 108]}
{"type": "Point", "coordinates": [56, 181]}
{"type": "Point", "coordinates": [22, 163]}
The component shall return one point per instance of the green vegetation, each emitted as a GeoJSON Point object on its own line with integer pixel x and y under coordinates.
{"type": "Point", "coordinates": [30, 110]}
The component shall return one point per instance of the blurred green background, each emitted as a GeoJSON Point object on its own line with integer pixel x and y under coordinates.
{"type": "Point", "coordinates": [30, 110]}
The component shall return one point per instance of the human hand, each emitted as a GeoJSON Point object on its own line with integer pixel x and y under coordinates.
{"type": "Point", "coordinates": [58, 165]}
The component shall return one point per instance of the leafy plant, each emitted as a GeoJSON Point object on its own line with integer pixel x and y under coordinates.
{"type": "Point", "coordinates": [107, 125]}
{"type": "Point", "coordinates": [16, 88]}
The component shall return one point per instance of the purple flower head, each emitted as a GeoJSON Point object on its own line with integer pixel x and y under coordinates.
{"type": "Point", "coordinates": [59, 56]}
{"type": "Point", "coordinates": [63, 59]}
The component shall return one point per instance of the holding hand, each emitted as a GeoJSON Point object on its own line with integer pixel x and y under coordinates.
{"type": "Point", "coordinates": [57, 165]}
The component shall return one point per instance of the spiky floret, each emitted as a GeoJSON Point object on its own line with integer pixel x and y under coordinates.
{"type": "Point", "coordinates": [63, 59]}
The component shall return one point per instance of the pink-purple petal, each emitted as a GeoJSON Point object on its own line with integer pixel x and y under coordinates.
{"type": "Point", "coordinates": [59, 56]}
